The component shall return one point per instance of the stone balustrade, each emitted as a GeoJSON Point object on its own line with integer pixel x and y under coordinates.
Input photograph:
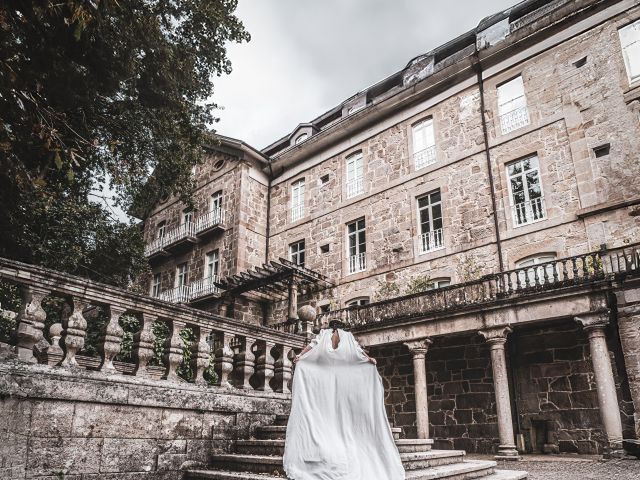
{"type": "Point", "coordinates": [559, 274]}
{"type": "Point", "coordinates": [241, 352]}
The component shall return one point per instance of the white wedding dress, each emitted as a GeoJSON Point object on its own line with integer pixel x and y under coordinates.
{"type": "Point", "coordinates": [338, 428]}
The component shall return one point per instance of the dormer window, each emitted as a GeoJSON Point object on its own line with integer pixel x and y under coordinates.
{"type": "Point", "coordinates": [301, 138]}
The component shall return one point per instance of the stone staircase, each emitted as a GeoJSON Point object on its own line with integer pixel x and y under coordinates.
{"type": "Point", "coordinates": [261, 459]}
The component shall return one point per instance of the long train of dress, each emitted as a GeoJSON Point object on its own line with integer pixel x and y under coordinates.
{"type": "Point", "coordinates": [338, 428]}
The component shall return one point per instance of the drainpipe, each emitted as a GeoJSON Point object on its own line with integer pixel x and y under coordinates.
{"type": "Point", "coordinates": [478, 68]}
{"type": "Point", "coordinates": [268, 232]}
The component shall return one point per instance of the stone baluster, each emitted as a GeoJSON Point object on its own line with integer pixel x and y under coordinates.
{"type": "Point", "coordinates": [111, 338]}
{"type": "Point", "coordinates": [418, 349]}
{"type": "Point", "coordinates": [224, 360]}
{"type": "Point", "coordinates": [172, 353]}
{"type": "Point", "coordinates": [75, 329]}
{"type": "Point", "coordinates": [200, 351]}
{"type": "Point", "coordinates": [283, 369]}
{"type": "Point", "coordinates": [496, 338]}
{"type": "Point", "coordinates": [30, 322]}
{"type": "Point", "coordinates": [54, 353]}
{"type": "Point", "coordinates": [246, 364]}
{"type": "Point", "coordinates": [143, 344]}
{"type": "Point", "coordinates": [265, 366]}
{"type": "Point", "coordinates": [595, 324]}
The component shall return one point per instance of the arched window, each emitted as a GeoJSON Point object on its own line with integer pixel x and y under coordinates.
{"type": "Point", "coordinates": [301, 138]}
{"type": "Point", "coordinates": [535, 275]}
{"type": "Point", "coordinates": [357, 302]}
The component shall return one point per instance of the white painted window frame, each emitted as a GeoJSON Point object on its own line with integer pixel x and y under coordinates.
{"type": "Point", "coordinates": [297, 200]}
{"type": "Point", "coordinates": [629, 36]}
{"type": "Point", "coordinates": [513, 110]}
{"type": "Point", "coordinates": [424, 143]}
{"type": "Point", "coordinates": [354, 174]}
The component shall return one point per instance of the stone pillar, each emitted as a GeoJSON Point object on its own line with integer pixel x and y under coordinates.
{"type": "Point", "coordinates": [30, 322]}
{"type": "Point", "coordinates": [200, 351]}
{"type": "Point", "coordinates": [293, 303]}
{"type": "Point", "coordinates": [246, 364]}
{"type": "Point", "coordinates": [265, 367]}
{"type": "Point", "coordinates": [75, 329]}
{"type": "Point", "coordinates": [496, 338]}
{"type": "Point", "coordinates": [143, 344]}
{"type": "Point", "coordinates": [224, 360]}
{"type": "Point", "coordinates": [172, 353]}
{"type": "Point", "coordinates": [629, 331]}
{"type": "Point", "coordinates": [594, 324]}
{"type": "Point", "coordinates": [112, 334]}
{"type": "Point", "coordinates": [283, 370]}
{"type": "Point", "coordinates": [418, 349]}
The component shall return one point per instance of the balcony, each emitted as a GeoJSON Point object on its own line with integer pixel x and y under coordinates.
{"type": "Point", "coordinates": [204, 288]}
{"type": "Point", "coordinates": [529, 212]}
{"type": "Point", "coordinates": [514, 120]}
{"type": "Point", "coordinates": [431, 241]}
{"type": "Point", "coordinates": [424, 157]}
{"type": "Point", "coordinates": [176, 295]}
{"type": "Point", "coordinates": [358, 263]}
{"type": "Point", "coordinates": [185, 235]}
{"type": "Point", "coordinates": [210, 222]}
{"type": "Point", "coordinates": [297, 212]}
{"type": "Point", "coordinates": [355, 187]}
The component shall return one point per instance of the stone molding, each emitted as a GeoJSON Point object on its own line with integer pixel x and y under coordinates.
{"type": "Point", "coordinates": [629, 310]}
{"type": "Point", "coordinates": [418, 347]}
{"type": "Point", "coordinates": [594, 320]}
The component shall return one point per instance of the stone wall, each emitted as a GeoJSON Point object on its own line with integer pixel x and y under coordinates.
{"type": "Point", "coordinates": [57, 423]}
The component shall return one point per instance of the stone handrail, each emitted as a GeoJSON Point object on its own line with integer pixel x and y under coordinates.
{"type": "Point", "coordinates": [255, 346]}
{"type": "Point", "coordinates": [553, 275]}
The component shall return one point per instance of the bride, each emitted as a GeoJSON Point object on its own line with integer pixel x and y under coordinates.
{"type": "Point", "coordinates": [338, 428]}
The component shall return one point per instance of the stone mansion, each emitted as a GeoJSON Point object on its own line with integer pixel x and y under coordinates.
{"type": "Point", "coordinates": [472, 218]}
{"type": "Point", "coordinates": [512, 145]}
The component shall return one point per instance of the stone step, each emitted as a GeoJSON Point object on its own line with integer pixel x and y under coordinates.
{"type": "Point", "coordinates": [227, 475]}
{"type": "Point", "coordinates": [275, 432]}
{"type": "Point", "coordinates": [507, 475]}
{"type": "Point", "coordinates": [281, 419]}
{"type": "Point", "coordinates": [276, 446]}
{"type": "Point", "coordinates": [455, 471]}
{"type": "Point", "coordinates": [243, 462]}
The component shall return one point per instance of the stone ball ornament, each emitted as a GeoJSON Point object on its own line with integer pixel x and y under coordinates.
{"type": "Point", "coordinates": [307, 313]}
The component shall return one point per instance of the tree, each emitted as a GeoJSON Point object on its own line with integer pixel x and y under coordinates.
{"type": "Point", "coordinates": [97, 94]}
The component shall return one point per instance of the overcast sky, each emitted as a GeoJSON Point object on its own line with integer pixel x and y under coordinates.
{"type": "Point", "coordinates": [307, 56]}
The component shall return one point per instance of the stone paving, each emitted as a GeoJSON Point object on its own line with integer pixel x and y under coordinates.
{"type": "Point", "coordinates": [571, 467]}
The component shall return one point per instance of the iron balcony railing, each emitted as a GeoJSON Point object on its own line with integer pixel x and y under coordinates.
{"type": "Point", "coordinates": [355, 187]}
{"type": "Point", "coordinates": [529, 212]}
{"type": "Point", "coordinates": [204, 286]}
{"type": "Point", "coordinates": [297, 212]}
{"type": "Point", "coordinates": [188, 229]}
{"type": "Point", "coordinates": [176, 295]}
{"type": "Point", "coordinates": [358, 263]}
{"type": "Point", "coordinates": [424, 157]}
{"type": "Point", "coordinates": [514, 120]}
{"type": "Point", "coordinates": [430, 241]}
{"type": "Point", "coordinates": [556, 274]}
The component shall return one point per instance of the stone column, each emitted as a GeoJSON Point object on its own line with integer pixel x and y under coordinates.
{"type": "Point", "coordinates": [594, 324]}
{"type": "Point", "coordinates": [496, 338]}
{"type": "Point", "coordinates": [293, 303]}
{"type": "Point", "coordinates": [172, 352]}
{"type": "Point", "coordinates": [629, 331]}
{"type": "Point", "coordinates": [111, 339]}
{"type": "Point", "coordinates": [418, 349]}
{"type": "Point", "coordinates": [30, 322]}
{"type": "Point", "coordinates": [200, 351]}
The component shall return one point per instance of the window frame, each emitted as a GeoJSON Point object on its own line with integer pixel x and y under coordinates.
{"type": "Point", "coordinates": [357, 242]}
{"type": "Point", "coordinates": [635, 25]}
{"type": "Point", "coordinates": [536, 259]}
{"type": "Point", "coordinates": [215, 203]}
{"type": "Point", "coordinates": [294, 256]}
{"type": "Point", "coordinates": [297, 199]}
{"type": "Point", "coordinates": [437, 240]}
{"type": "Point", "coordinates": [525, 120]}
{"type": "Point", "coordinates": [357, 302]}
{"type": "Point", "coordinates": [161, 229]}
{"type": "Point", "coordinates": [156, 285]}
{"type": "Point", "coordinates": [429, 150]}
{"type": "Point", "coordinates": [184, 275]}
{"type": "Point", "coordinates": [215, 255]}
{"type": "Point", "coordinates": [527, 200]}
{"type": "Point", "coordinates": [354, 176]}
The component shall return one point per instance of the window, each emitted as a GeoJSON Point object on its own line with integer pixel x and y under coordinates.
{"type": "Point", "coordinates": [530, 277]}
{"type": "Point", "coordinates": [324, 179]}
{"type": "Point", "coordinates": [358, 302]}
{"type": "Point", "coordinates": [424, 144]}
{"type": "Point", "coordinates": [324, 308]}
{"type": "Point", "coordinates": [155, 285]}
{"type": "Point", "coordinates": [181, 275]}
{"type": "Point", "coordinates": [527, 201]}
{"type": "Point", "coordinates": [355, 174]}
{"type": "Point", "coordinates": [630, 42]}
{"type": "Point", "coordinates": [357, 246]}
{"type": "Point", "coordinates": [187, 216]}
{"type": "Point", "coordinates": [324, 248]}
{"type": "Point", "coordinates": [430, 217]}
{"type": "Point", "coordinates": [602, 150]}
{"type": "Point", "coordinates": [439, 283]}
{"type": "Point", "coordinates": [216, 201]}
{"type": "Point", "coordinates": [162, 229]}
{"type": "Point", "coordinates": [297, 200]}
{"type": "Point", "coordinates": [296, 253]}
{"type": "Point", "coordinates": [512, 106]}
{"type": "Point", "coordinates": [301, 138]}
{"type": "Point", "coordinates": [212, 265]}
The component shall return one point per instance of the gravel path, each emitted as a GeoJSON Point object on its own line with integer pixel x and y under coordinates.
{"type": "Point", "coordinates": [572, 468]}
